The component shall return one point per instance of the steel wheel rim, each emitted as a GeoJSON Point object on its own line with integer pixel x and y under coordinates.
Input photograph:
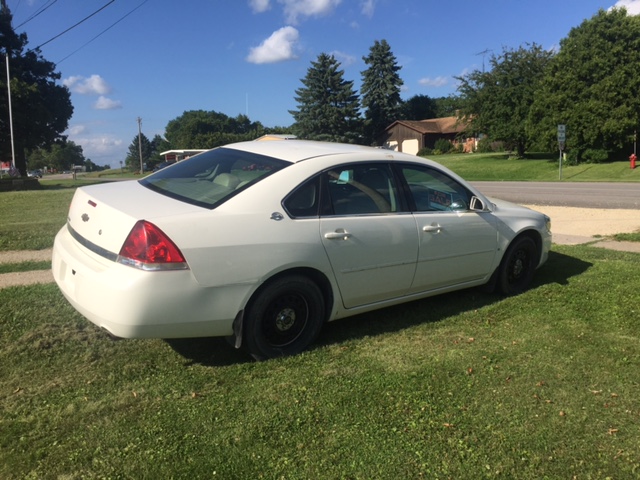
{"type": "Point", "coordinates": [285, 319]}
{"type": "Point", "coordinates": [519, 266]}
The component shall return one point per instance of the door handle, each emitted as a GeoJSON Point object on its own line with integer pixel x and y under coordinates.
{"type": "Point", "coordinates": [339, 234]}
{"type": "Point", "coordinates": [432, 228]}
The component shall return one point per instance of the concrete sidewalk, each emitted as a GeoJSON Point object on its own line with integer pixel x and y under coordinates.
{"type": "Point", "coordinates": [593, 226]}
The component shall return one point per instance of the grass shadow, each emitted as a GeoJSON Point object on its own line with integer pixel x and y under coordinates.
{"type": "Point", "coordinates": [216, 351]}
{"type": "Point", "coordinates": [558, 270]}
{"type": "Point", "coordinates": [208, 351]}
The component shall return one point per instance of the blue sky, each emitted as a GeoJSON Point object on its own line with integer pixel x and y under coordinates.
{"type": "Point", "coordinates": [155, 59]}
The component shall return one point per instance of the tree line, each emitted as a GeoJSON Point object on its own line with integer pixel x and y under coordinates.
{"type": "Point", "coordinates": [590, 84]}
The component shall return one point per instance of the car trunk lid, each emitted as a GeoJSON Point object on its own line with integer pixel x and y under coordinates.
{"type": "Point", "coordinates": [101, 216]}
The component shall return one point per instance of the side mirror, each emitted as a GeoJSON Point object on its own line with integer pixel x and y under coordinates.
{"type": "Point", "coordinates": [476, 204]}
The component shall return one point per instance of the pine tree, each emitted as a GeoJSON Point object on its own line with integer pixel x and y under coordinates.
{"type": "Point", "coordinates": [328, 106]}
{"type": "Point", "coordinates": [380, 90]}
{"type": "Point", "coordinates": [132, 160]}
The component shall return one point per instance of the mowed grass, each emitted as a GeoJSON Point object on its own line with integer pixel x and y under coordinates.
{"type": "Point", "coordinates": [466, 385]}
{"type": "Point", "coordinates": [30, 219]}
{"type": "Point", "coordinates": [538, 167]}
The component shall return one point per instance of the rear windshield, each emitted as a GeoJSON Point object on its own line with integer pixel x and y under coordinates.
{"type": "Point", "coordinates": [212, 177]}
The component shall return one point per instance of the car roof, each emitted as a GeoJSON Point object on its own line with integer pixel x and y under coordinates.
{"type": "Point", "coordinates": [298, 150]}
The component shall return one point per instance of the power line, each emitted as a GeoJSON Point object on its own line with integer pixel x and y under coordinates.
{"type": "Point", "coordinates": [42, 9]}
{"type": "Point", "coordinates": [74, 26]}
{"type": "Point", "coordinates": [102, 32]}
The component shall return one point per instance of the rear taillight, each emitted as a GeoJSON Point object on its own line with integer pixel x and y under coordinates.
{"type": "Point", "coordinates": [148, 248]}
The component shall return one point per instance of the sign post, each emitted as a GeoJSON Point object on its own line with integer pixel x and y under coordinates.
{"type": "Point", "coordinates": [562, 137]}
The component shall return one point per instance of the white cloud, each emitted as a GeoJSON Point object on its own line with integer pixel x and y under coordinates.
{"type": "Point", "coordinates": [433, 82]}
{"type": "Point", "coordinates": [94, 85]}
{"type": "Point", "coordinates": [280, 46]}
{"type": "Point", "coordinates": [259, 6]}
{"type": "Point", "coordinates": [76, 130]}
{"type": "Point", "coordinates": [102, 149]}
{"type": "Point", "coordinates": [632, 6]}
{"type": "Point", "coordinates": [344, 58]}
{"type": "Point", "coordinates": [104, 103]}
{"type": "Point", "coordinates": [368, 7]}
{"type": "Point", "coordinates": [294, 9]}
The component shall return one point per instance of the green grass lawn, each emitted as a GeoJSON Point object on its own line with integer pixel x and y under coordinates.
{"type": "Point", "coordinates": [466, 385]}
{"type": "Point", "coordinates": [540, 168]}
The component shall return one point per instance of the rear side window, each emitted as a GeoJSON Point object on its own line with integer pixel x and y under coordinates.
{"type": "Point", "coordinates": [304, 200]}
{"type": "Point", "coordinates": [212, 177]}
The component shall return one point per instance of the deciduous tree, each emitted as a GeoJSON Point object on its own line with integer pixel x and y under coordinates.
{"type": "Point", "coordinates": [41, 108]}
{"type": "Point", "coordinates": [592, 87]}
{"type": "Point", "coordinates": [60, 156]}
{"type": "Point", "coordinates": [418, 107]}
{"type": "Point", "coordinates": [210, 129]}
{"type": "Point", "coordinates": [497, 102]}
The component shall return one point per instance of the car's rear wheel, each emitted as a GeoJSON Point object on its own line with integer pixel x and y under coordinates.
{"type": "Point", "coordinates": [284, 318]}
{"type": "Point", "coordinates": [518, 266]}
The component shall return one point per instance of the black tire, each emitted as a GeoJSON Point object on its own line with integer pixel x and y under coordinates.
{"type": "Point", "coordinates": [284, 318]}
{"type": "Point", "coordinates": [518, 266]}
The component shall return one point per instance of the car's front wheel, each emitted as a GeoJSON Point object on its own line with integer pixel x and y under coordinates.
{"type": "Point", "coordinates": [518, 266]}
{"type": "Point", "coordinates": [284, 318]}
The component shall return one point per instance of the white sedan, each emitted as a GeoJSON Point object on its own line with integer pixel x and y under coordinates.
{"type": "Point", "coordinates": [264, 242]}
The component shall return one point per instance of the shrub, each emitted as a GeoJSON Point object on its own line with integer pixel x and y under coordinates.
{"type": "Point", "coordinates": [424, 151]}
{"type": "Point", "coordinates": [592, 155]}
{"type": "Point", "coordinates": [443, 145]}
{"type": "Point", "coordinates": [485, 145]}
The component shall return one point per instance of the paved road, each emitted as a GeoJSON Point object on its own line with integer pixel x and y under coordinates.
{"type": "Point", "coordinates": [586, 195]}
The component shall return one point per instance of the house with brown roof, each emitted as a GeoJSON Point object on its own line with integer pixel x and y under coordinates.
{"type": "Point", "coordinates": [410, 136]}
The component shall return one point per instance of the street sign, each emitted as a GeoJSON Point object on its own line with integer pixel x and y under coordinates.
{"type": "Point", "coordinates": [562, 133]}
{"type": "Point", "coordinates": [562, 136]}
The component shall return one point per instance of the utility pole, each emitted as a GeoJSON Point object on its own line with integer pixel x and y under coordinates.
{"type": "Point", "coordinates": [5, 9]}
{"type": "Point", "coordinates": [140, 144]}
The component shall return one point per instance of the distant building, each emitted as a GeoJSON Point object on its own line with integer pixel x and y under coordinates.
{"type": "Point", "coordinates": [270, 136]}
{"type": "Point", "coordinates": [410, 136]}
{"type": "Point", "coordinates": [177, 155]}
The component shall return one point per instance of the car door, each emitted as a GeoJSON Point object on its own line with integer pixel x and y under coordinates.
{"type": "Point", "coordinates": [369, 237]}
{"type": "Point", "coordinates": [457, 244]}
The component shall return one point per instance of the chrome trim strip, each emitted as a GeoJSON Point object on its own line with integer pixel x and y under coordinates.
{"type": "Point", "coordinates": [92, 246]}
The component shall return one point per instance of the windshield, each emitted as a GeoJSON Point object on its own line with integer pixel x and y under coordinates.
{"type": "Point", "coordinates": [212, 177]}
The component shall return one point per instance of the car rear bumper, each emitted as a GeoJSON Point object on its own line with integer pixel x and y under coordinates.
{"type": "Point", "coordinates": [132, 303]}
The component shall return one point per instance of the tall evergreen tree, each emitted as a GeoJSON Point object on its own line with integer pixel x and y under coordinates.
{"type": "Point", "coordinates": [328, 106]}
{"type": "Point", "coordinates": [380, 90]}
{"type": "Point", "coordinates": [592, 87]}
{"type": "Point", "coordinates": [41, 109]}
{"type": "Point", "coordinates": [497, 101]}
{"type": "Point", "coordinates": [132, 160]}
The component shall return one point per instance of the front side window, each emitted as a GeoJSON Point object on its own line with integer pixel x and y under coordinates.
{"type": "Point", "coordinates": [212, 177]}
{"type": "Point", "coordinates": [433, 191]}
{"type": "Point", "coordinates": [362, 189]}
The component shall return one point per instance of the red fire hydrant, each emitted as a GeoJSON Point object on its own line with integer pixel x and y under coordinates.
{"type": "Point", "coordinates": [633, 159]}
